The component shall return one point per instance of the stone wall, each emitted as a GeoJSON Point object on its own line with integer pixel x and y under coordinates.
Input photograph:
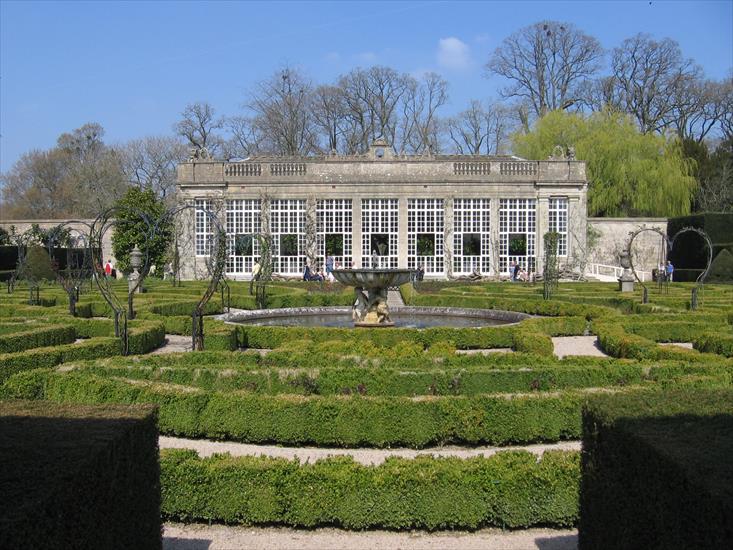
{"type": "Point", "coordinates": [21, 226]}
{"type": "Point", "coordinates": [613, 236]}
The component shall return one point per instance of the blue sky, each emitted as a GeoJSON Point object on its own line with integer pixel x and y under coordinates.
{"type": "Point", "coordinates": [133, 66]}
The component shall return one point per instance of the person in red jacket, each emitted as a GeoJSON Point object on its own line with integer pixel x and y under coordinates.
{"type": "Point", "coordinates": [108, 268]}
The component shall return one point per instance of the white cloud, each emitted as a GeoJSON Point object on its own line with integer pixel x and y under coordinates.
{"type": "Point", "coordinates": [453, 53]}
{"type": "Point", "coordinates": [367, 57]}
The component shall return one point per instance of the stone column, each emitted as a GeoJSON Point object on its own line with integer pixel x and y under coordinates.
{"type": "Point", "coordinates": [187, 242]}
{"type": "Point", "coordinates": [448, 236]}
{"type": "Point", "coordinates": [577, 227]}
{"type": "Point", "coordinates": [356, 232]}
{"type": "Point", "coordinates": [543, 225]}
{"type": "Point", "coordinates": [494, 220]}
{"type": "Point", "coordinates": [402, 239]}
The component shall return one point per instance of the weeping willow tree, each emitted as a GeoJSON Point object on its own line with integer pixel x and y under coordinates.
{"type": "Point", "coordinates": [629, 173]}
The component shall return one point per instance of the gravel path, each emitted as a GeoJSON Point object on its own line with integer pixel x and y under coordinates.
{"type": "Point", "coordinates": [686, 345]}
{"type": "Point", "coordinates": [577, 345]}
{"type": "Point", "coordinates": [363, 456]}
{"type": "Point", "coordinates": [221, 537]}
{"type": "Point", "coordinates": [486, 351]}
{"type": "Point", "coordinates": [174, 343]}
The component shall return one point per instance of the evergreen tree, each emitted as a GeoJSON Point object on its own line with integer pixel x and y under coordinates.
{"type": "Point", "coordinates": [140, 221]}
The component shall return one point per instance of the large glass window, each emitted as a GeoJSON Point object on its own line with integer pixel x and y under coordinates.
{"type": "Point", "coordinates": [425, 233]}
{"type": "Point", "coordinates": [380, 231]}
{"type": "Point", "coordinates": [517, 233]}
{"type": "Point", "coordinates": [558, 222]}
{"type": "Point", "coordinates": [243, 224]}
{"type": "Point", "coordinates": [471, 235]}
{"type": "Point", "coordinates": [287, 227]}
{"type": "Point", "coordinates": [204, 231]}
{"type": "Point", "coordinates": [334, 231]}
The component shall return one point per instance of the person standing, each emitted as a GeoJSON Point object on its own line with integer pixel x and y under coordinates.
{"type": "Point", "coordinates": [329, 264]}
{"type": "Point", "coordinates": [670, 271]}
{"type": "Point", "coordinates": [108, 269]}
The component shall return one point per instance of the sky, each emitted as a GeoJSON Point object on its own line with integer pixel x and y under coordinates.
{"type": "Point", "coordinates": [133, 66]}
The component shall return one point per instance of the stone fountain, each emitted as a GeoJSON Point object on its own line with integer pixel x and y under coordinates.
{"type": "Point", "coordinates": [370, 309]}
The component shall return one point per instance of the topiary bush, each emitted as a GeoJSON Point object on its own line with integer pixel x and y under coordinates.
{"type": "Point", "coordinates": [657, 470]}
{"type": "Point", "coordinates": [79, 477]}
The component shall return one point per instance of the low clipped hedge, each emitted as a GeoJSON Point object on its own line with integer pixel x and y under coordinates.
{"type": "Point", "coordinates": [510, 489]}
{"type": "Point", "coordinates": [37, 337]}
{"type": "Point", "coordinates": [347, 421]}
{"type": "Point", "coordinates": [253, 336]}
{"type": "Point", "coordinates": [11, 363]}
{"type": "Point", "coordinates": [79, 477]}
{"type": "Point", "coordinates": [396, 381]}
{"type": "Point", "coordinates": [720, 343]}
{"type": "Point", "coordinates": [527, 341]}
{"type": "Point", "coordinates": [657, 471]}
{"type": "Point", "coordinates": [142, 338]}
{"type": "Point", "coordinates": [617, 342]}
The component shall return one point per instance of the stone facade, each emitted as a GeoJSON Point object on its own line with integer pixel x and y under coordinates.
{"type": "Point", "coordinates": [451, 214]}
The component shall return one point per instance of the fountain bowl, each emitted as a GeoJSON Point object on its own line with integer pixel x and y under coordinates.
{"type": "Point", "coordinates": [372, 278]}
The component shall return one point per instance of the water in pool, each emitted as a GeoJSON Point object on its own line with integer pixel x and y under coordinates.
{"type": "Point", "coordinates": [406, 320]}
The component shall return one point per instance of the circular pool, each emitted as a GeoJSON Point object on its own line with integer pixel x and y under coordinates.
{"type": "Point", "coordinates": [403, 317]}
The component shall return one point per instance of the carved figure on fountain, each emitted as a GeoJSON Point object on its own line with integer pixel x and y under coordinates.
{"type": "Point", "coordinates": [359, 311]}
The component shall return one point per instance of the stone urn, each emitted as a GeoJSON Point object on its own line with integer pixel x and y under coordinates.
{"type": "Point", "coordinates": [626, 281]}
{"type": "Point", "coordinates": [136, 262]}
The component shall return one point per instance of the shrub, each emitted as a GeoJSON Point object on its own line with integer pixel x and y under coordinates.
{"type": "Point", "coordinates": [79, 477]}
{"type": "Point", "coordinates": [11, 363]}
{"type": "Point", "coordinates": [719, 343]}
{"type": "Point", "coordinates": [656, 470]}
{"type": "Point", "coordinates": [348, 421]}
{"type": "Point", "coordinates": [38, 337]}
{"type": "Point", "coordinates": [509, 489]}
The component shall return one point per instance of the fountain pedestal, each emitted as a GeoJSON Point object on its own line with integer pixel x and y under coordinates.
{"type": "Point", "coordinates": [626, 281]}
{"type": "Point", "coordinates": [370, 307]}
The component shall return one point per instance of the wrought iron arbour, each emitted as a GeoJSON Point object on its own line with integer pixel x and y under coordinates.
{"type": "Point", "coordinates": [668, 245]}
{"type": "Point", "coordinates": [76, 272]}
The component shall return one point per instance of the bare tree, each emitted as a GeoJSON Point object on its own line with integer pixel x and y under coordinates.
{"type": "Point", "coordinates": [699, 106]}
{"type": "Point", "coordinates": [546, 63]}
{"type": "Point", "coordinates": [150, 163]}
{"type": "Point", "coordinates": [79, 177]}
{"type": "Point", "coordinates": [282, 115]}
{"type": "Point", "coordinates": [372, 97]}
{"type": "Point", "coordinates": [198, 126]}
{"type": "Point", "coordinates": [329, 115]}
{"type": "Point", "coordinates": [726, 117]}
{"type": "Point", "coordinates": [419, 122]}
{"type": "Point", "coordinates": [480, 129]}
{"type": "Point", "coordinates": [85, 144]}
{"type": "Point", "coordinates": [36, 187]}
{"type": "Point", "coordinates": [244, 138]}
{"type": "Point", "coordinates": [647, 75]}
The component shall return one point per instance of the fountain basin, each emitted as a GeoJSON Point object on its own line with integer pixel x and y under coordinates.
{"type": "Point", "coordinates": [403, 317]}
{"type": "Point", "coordinates": [372, 278]}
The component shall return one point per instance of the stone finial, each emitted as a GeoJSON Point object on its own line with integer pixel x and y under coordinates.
{"type": "Point", "coordinates": [558, 153]}
{"type": "Point", "coordinates": [198, 153]}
